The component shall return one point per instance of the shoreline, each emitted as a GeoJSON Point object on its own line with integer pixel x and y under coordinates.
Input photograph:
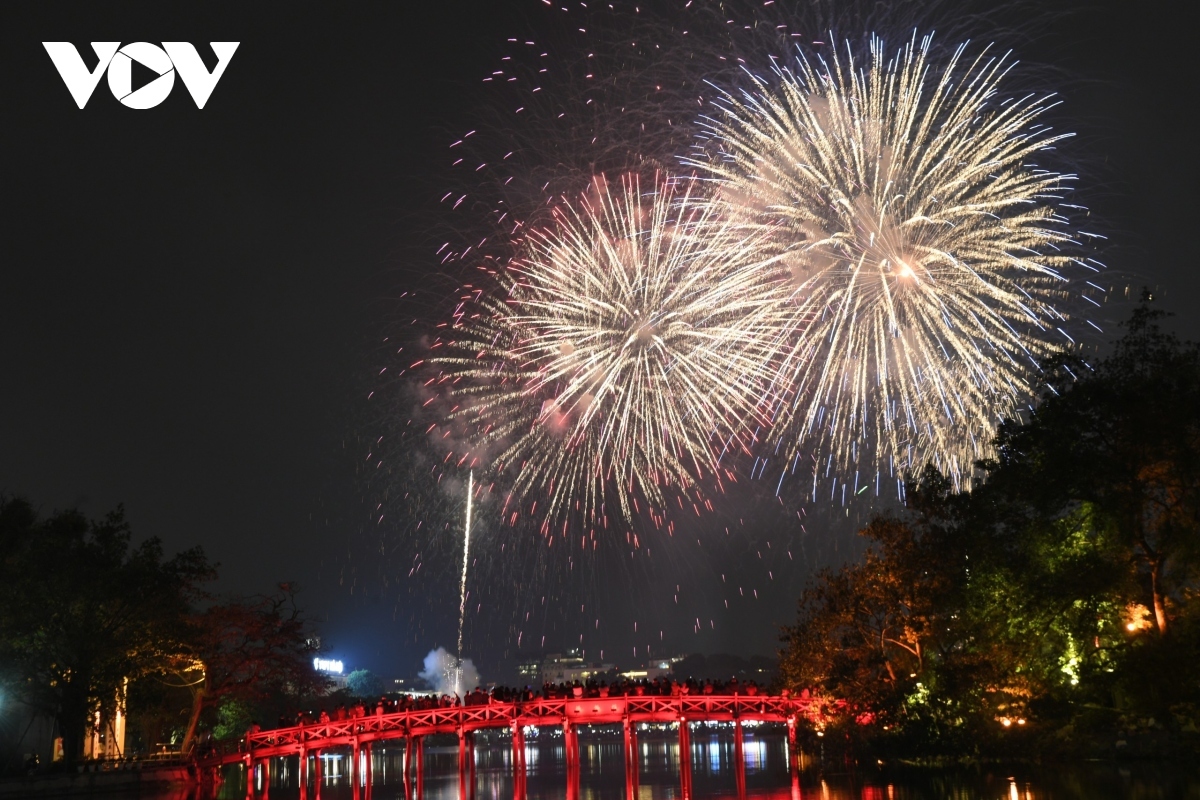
{"type": "Point", "coordinates": [149, 779]}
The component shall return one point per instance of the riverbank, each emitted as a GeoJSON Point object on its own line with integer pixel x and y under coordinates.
{"type": "Point", "coordinates": [132, 780]}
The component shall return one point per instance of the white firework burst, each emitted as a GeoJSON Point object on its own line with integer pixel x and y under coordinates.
{"type": "Point", "coordinates": [924, 245]}
{"type": "Point", "coordinates": [621, 357]}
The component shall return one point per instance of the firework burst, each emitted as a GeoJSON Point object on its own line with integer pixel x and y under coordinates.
{"type": "Point", "coordinates": [622, 357]}
{"type": "Point", "coordinates": [924, 248]}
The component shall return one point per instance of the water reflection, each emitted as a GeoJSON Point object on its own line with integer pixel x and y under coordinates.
{"type": "Point", "coordinates": [602, 775]}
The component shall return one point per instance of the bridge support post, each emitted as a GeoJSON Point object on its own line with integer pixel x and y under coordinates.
{"type": "Point", "coordinates": [471, 765]}
{"type": "Point", "coordinates": [266, 777]}
{"type": "Point", "coordinates": [462, 764]}
{"type": "Point", "coordinates": [302, 772]}
{"type": "Point", "coordinates": [518, 760]}
{"type": "Point", "coordinates": [631, 759]}
{"type": "Point", "coordinates": [739, 758]}
{"type": "Point", "coordinates": [793, 749]}
{"type": "Point", "coordinates": [407, 764]}
{"type": "Point", "coordinates": [685, 758]}
{"type": "Point", "coordinates": [318, 773]}
{"type": "Point", "coordinates": [420, 767]}
{"type": "Point", "coordinates": [571, 748]}
{"type": "Point", "coordinates": [251, 769]}
{"type": "Point", "coordinates": [368, 770]}
{"type": "Point", "coordinates": [355, 770]}
{"type": "Point", "coordinates": [793, 757]}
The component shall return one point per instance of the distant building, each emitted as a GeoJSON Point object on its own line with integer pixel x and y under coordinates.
{"type": "Point", "coordinates": [660, 667]}
{"type": "Point", "coordinates": [530, 672]}
{"type": "Point", "coordinates": [568, 668]}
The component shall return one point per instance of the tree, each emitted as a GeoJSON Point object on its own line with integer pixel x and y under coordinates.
{"type": "Point", "coordinates": [1123, 438]}
{"type": "Point", "coordinates": [248, 649]}
{"type": "Point", "coordinates": [81, 611]}
{"type": "Point", "coordinates": [961, 614]}
{"type": "Point", "coordinates": [233, 719]}
{"type": "Point", "coordinates": [365, 684]}
{"type": "Point", "coordinates": [1063, 585]}
{"type": "Point", "coordinates": [869, 632]}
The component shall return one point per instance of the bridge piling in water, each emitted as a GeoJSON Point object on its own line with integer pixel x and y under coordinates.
{"type": "Point", "coordinates": [470, 765]}
{"type": "Point", "coordinates": [685, 758]}
{"type": "Point", "coordinates": [369, 769]}
{"type": "Point", "coordinates": [407, 765]}
{"type": "Point", "coordinates": [466, 764]}
{"type": "Point", "coordinates": [631, 759]}
{"type": "Point", "coordinates": [420, 766]}
{"type": "Point", "coordinates": [739, 758]}
{"type": "Point", "coordinates": [462, 763]}
{"type": "Point", "coordinates": [571, 748]}
{"type": "Point", "coordinates": [793, 750]}
{"type": "Point", "coordinates": [518, 760]}
{"type": "Point", "coordinates": [258, 771]}
{"type": "Point", "coordinates": [302, 772]}
{"type": "Point", "coordinates": [355, 782]}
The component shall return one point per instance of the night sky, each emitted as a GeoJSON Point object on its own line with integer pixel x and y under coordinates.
{"type": "Point", "coordinates": [193, 301]}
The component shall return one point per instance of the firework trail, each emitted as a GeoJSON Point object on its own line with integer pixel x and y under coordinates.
{"type": "Point", "coordinates": [623, 355]}
{"type": "Point", "coordinates": [462, 584]}
{"type": "Point", "coordinates": [924, 247]}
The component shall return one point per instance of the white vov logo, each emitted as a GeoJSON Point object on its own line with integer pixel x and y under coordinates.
{"type": "Point", "coordinates": [118, 61]}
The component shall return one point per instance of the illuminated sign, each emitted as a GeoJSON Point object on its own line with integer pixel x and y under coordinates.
{"type": "Point", "coordinates": [327, 665]}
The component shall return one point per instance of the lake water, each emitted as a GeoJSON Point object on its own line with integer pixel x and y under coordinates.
{"type": "Point", "coordinates": [602, 774]}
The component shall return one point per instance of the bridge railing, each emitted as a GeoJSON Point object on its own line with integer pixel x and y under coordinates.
{"type": "Point", "coordinates": [577, 711]}
{"type": "Point", "coordinates": [259, 749]}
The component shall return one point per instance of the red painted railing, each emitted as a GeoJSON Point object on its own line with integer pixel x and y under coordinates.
{"type": "Point", "coordinates": [467, 719]}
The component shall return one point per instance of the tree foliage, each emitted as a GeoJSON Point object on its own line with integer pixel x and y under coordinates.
{"type": "Point", "coordinates": [1125, 441]}
{"type": "Point", "coordinates": [1062, 586]}
{"type": "Point", "coordinates": [365, 685]}
{"type": "Point", "coordinates": [233, 719]}
{"type": "Point", "coordinates": [249, 649]}
{"type": "Point", "coordinates": [82, 611]}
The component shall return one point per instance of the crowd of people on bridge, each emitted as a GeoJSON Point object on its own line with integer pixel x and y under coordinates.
{"type": "Point", "coordinates": [658, 687]}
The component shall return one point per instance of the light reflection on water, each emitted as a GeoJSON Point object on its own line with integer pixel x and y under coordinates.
{"type": "Point", "coordinates": [603, 775]}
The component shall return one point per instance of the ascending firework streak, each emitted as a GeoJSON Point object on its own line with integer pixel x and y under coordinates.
{"type": "Point", "coordinates": [462, 585]}
{"type": "Point", "coordinates": [621, 355]}
{"type": "Point", "coordinates": [923, 244]}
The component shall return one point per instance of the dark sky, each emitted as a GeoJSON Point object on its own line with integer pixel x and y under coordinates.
{"type": "Point", "coordinates": [192, 300]}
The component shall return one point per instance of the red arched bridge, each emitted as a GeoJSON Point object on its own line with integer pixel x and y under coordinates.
{"type": "Point", "coordinates": [306, 742]}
